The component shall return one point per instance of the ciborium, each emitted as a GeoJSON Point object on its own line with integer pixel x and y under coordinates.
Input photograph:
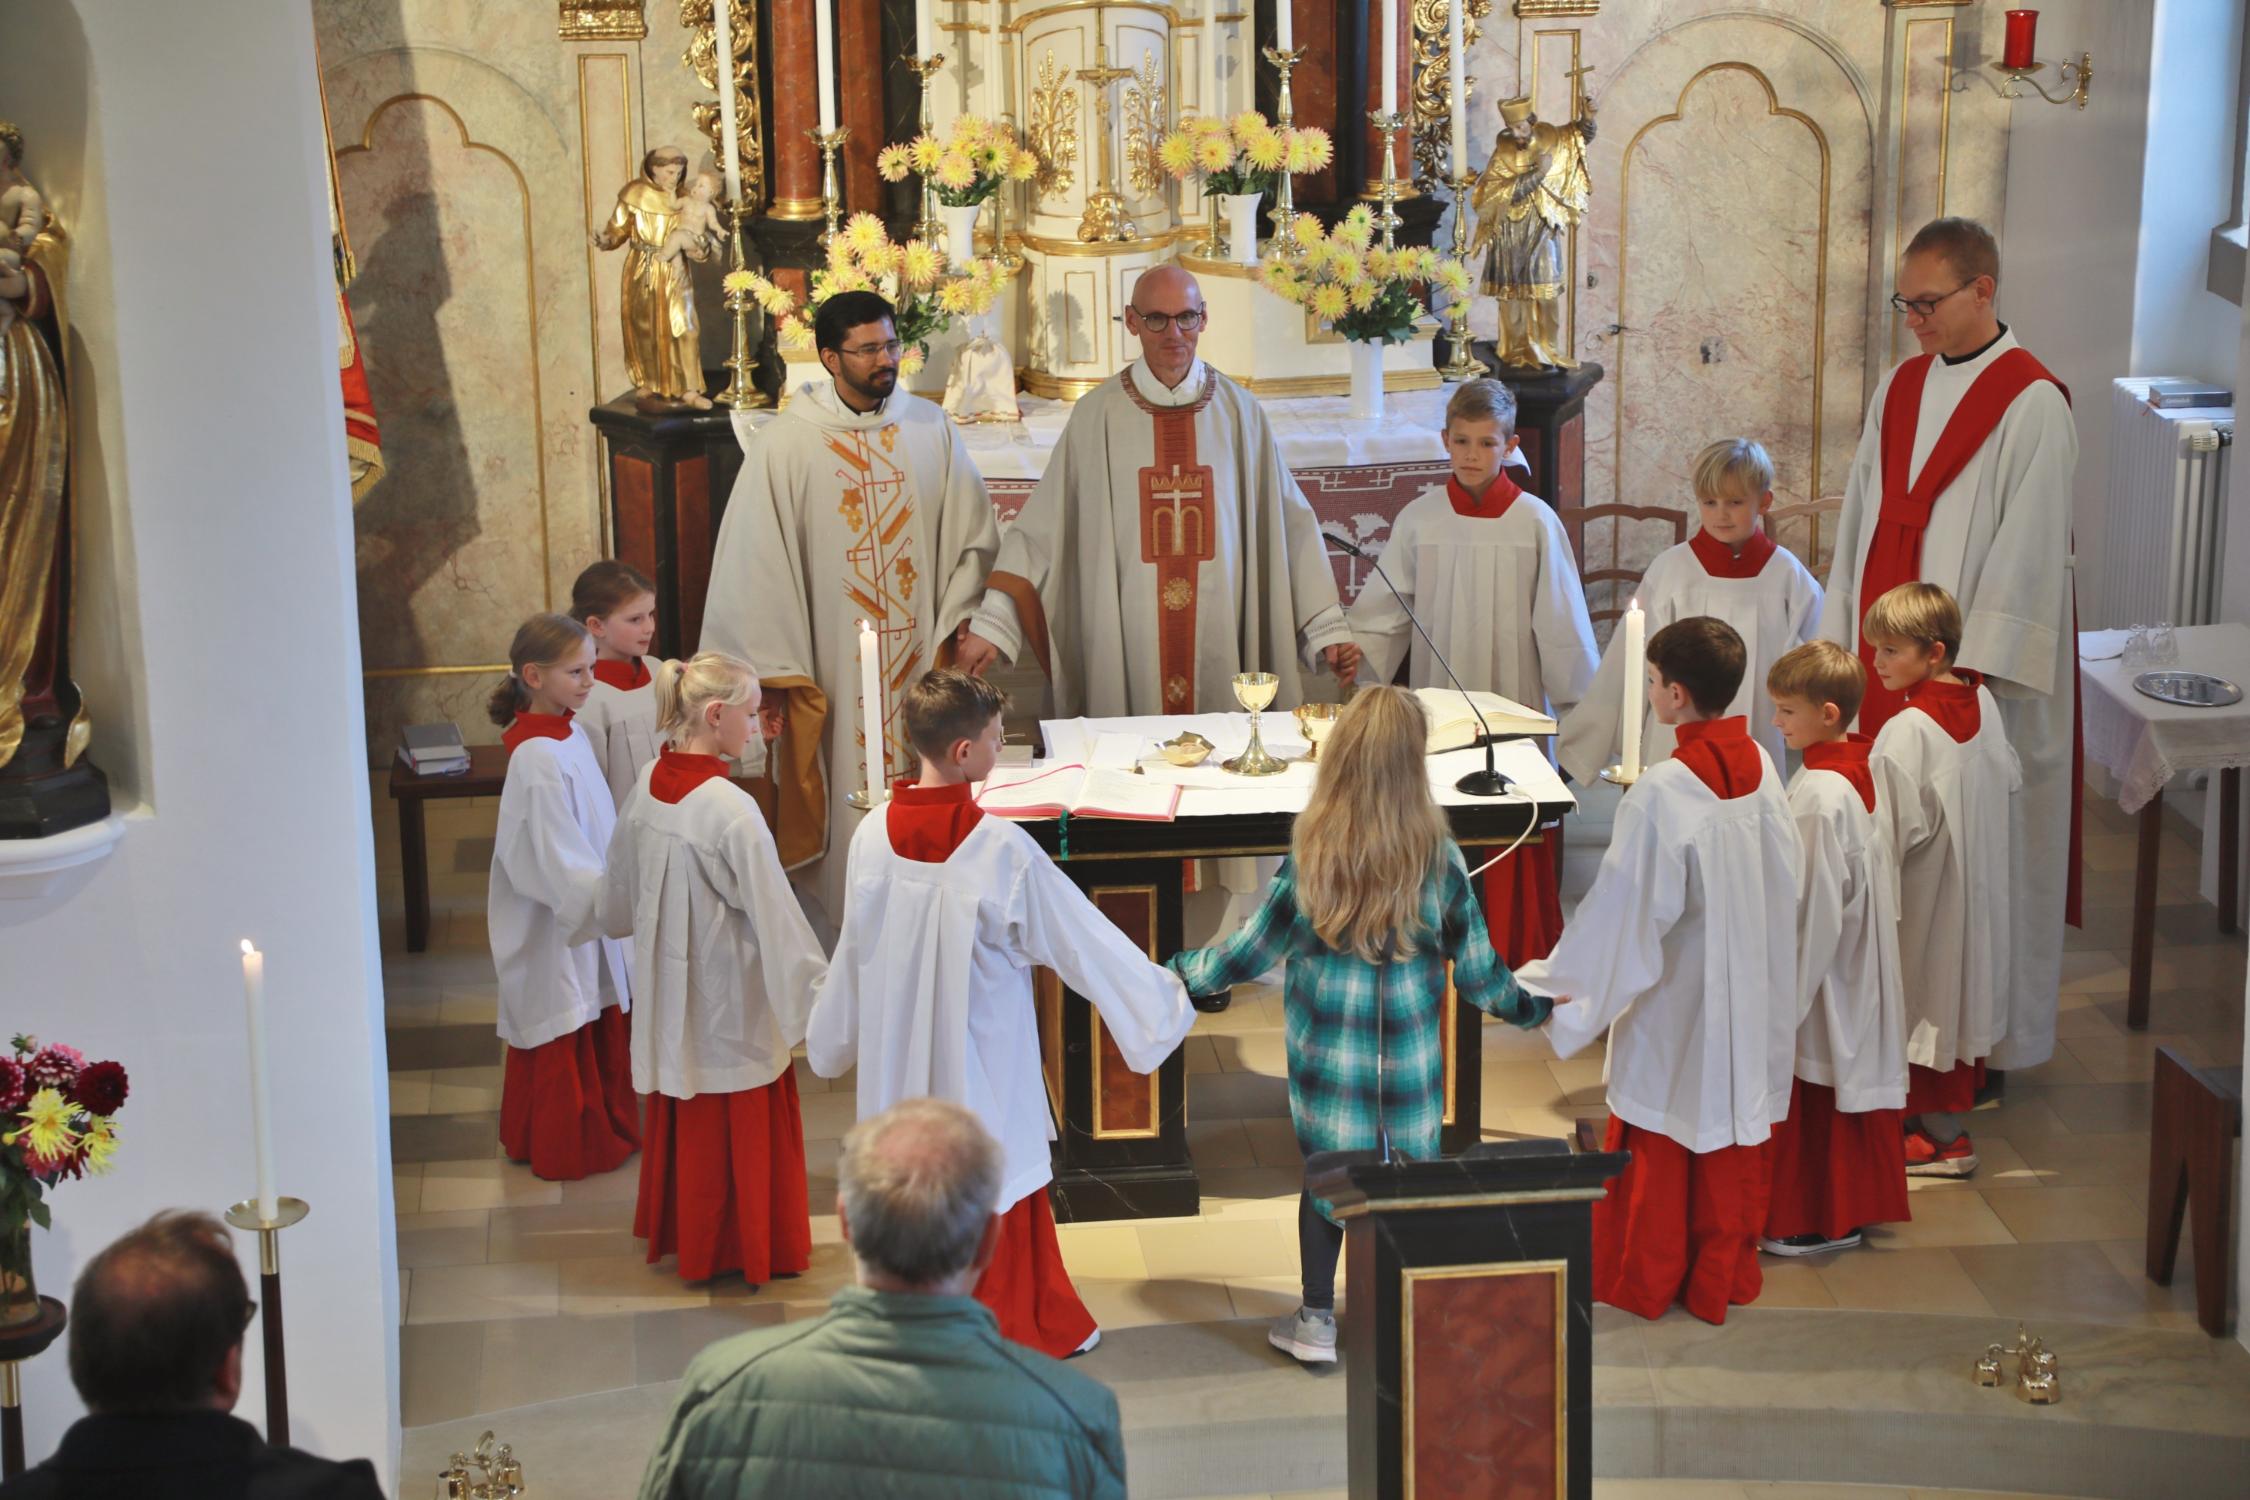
{"type": "Point", "coordinates": [1254, 691]}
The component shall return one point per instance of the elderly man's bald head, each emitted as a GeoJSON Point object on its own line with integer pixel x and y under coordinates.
{"type": "Point", "coordinates": [1166, 300]}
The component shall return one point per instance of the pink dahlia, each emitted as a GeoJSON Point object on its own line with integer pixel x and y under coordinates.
{"type": "Point", "coordinates": [54, 1066]}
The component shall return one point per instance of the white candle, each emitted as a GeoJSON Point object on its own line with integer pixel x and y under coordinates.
{"type": "Point", "coordinates": [996, 89]}
{"type": "Point", "coordinates": [730, 148]}
{"type": "Point", "coordinates": [1285, 25]}
{"type": "Point", "coordinates": [1390, 55]}
{"type": "Point", "coordinates": [871, 711]}
{"type": "Point", "coordinates": [261, 1104]}
{"type": "Point", "coordinates": [925, 29]}
{"type": "Point", "coordinates": [1211, 60]}
{"type": "Point", "coordinates": [824, 52]}
{"type": "Point", "coordinates": [1636, 687]}
{"type": "Point", "coordinates": [1457, 86]}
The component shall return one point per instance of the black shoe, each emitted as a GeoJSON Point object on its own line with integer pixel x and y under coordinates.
{"type": "Point", "coordinates": [1993, 1092]}
{"type": "Point", "coordinates": [1810, 1244]}
{"type": "Point", "coordinates": [1211, 1005]}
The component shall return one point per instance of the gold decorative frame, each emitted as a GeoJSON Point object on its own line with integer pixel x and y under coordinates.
{"type": "Point", "coordinates": [1094, 1053]}
{"type": "Point", "coordinates": [1527, 10]}
{"type": "Point", "coordinates": [1409, 1277]}
{"type": "Point", "coordinates": [602, 21]}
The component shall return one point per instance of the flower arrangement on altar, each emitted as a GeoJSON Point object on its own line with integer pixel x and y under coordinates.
{"type": "Point", "coordinates": [965, 166]}
{"type": "Point", "coordinates": [1242, 155]}
{"type": "Point", "coordinates": [57, 1114]}
{"type": "Point", "coordinates": [912, 277]}
{"type": "Point", "coordinates": [1365, 292]}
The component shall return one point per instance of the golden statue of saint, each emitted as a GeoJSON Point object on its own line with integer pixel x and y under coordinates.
{"type": "Point", "coordinates": [1533, 189]}
{"type": "Point", "coordinates": [654, 223]}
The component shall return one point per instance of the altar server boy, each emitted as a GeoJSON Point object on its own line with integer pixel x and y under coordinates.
{"type": "Point", "coordinates": [1489, 571]}
{"type": "Point", "coordinates": [617, 605]}
{"type": "Point", "coordinates": [725, 967]}
{"type": "Point", "coordinates": [567, 1105]}
{"type": "Point", "coordinates": [1685, 950]}
{"type": "Point", "coordinates": [946, 913]}
{"type": "Point", "coordinates": [1730, 570]}
{"type": "Point", "coordinates": [1944, 774]}
{"type": "Point", "coordinates": [1838, 1160]}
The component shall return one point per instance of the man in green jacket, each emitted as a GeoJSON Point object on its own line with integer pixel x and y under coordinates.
{"type": "Point", "coordinates": [904, 1387]}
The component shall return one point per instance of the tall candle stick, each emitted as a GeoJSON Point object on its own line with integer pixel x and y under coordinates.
{"type": "Point", "coordinates": [1390, 55]}
{"type": "Point", "coordinates": [261, 1105]}
{"type": "Point", "coordinates": [871, 711]}
{"type": "Point", "coordinates": [995, 87]}
{"type": "Point", "coordinates": [1457, 85]}
{"type": "Point", "coordinates": [730, 147]}
{"type": "Point", "coordinates": [1285, 25]}
{"type": "Point", "coordinates": [824, 54]}
{"type": "Point", "coordinates": [1211, 108]}
{"type": "Point", "coordinates": [925, 29]}
{"type": "Point", "coordinates": [1636, 688]}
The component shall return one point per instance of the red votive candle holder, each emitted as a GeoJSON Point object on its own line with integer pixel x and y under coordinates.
{"type": "Point", "coordinates": [2022, 40]}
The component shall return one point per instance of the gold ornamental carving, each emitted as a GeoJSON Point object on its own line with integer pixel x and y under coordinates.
{"type": "Point", "coordinates": [1105, 220]}
{"type": "Point", "coordinates": [1432, 109]}
{"type": "Point", "coordinates": [702, 58]}
{"type": "Point", "coordinates": [1054, 130]}
{"type": "Point", "coordinates": [602, 21]}
{"type": "Point", "coordinates": [1144, 129]}
{"type": "Point", "coordinates": [1540, 10]}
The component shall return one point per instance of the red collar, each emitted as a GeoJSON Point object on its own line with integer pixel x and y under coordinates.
{"type": "Point", "coordinates": [1847, 757]}
{"type": "Point", "coordinates": [1720, 563]}
{"type": "Point", "coordinates": [535, 727]}
{"type": "Point", "coordinates": [622, 675]}
{"type": "Point", "coordinates": [1497, 497]}
{"type": "Point", "coordinates": [927, 823]}
{"type": "Point", "coordinates": [678, 773]}
{"type": "Point", "coordinates": [1952, 704]}
{"type": "Point", "coordinates": [1721, 754]}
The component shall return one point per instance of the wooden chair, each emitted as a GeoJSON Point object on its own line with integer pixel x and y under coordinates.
{"type": "Point", "coordinates": [2195, 1116]}
{"type": "Point", "coordinates": [1619, 581]}
{"type": "Point", "coordinates": [1810, 512]}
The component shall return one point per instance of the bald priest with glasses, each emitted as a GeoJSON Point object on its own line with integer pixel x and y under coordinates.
{"type": "Point", "coordinates": [1166, 547]}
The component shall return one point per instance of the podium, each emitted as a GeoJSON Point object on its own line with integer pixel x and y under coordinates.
{"type": "Point", "coordinates": [1468, 1345]}
{"type": "Point", "coordinates": [669, 475]}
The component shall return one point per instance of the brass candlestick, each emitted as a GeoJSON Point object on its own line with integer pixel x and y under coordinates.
{"type": "Point", "coordinates": [740, 394]}
{"type": "Point", "coordinates": [1105, 220]}
{"type": "Point", "coordinates": [1387, 190]}
{"type": "Point", "coordinates": [831, 194]}
{"type": "Point", "coordinates": [245, 1215]}
{"type": "Point", "coordinates": [1254, 690]}
{"type": "Point", "coordinates": [1284, 211]}
{"type": "Point", "coordinates": [498, 1475]}
{"type": "Point", "coordinates": [1464, 365]}
{"type": "Point", "coordinates": [926, 229]}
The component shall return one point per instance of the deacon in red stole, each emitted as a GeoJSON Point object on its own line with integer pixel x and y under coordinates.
{"type": "Point", "coordinates": [1963, 480]}
{"type": "Point", "coordinates": [1685, 952]}
{"type": "Point", "coordinates": [930, 990]}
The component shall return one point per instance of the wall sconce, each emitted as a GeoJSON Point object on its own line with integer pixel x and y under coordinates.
{"type": "Point", "coordinates": [2018, 65]}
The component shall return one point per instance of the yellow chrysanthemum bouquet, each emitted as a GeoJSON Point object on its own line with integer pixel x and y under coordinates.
{"type": "Point", "coordinates": [1363, 291]}
{"type": "Point", "coordinates": [966, 165]}
{"type": "Point", "coordinates": [1242, 155]}
{"type": "Point", "coordinates": [912, 277]}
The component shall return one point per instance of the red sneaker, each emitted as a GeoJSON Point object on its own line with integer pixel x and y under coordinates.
{"type": "Point", "coordinates": [1926, 1158]}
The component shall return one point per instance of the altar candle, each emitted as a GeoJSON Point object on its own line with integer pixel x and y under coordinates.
{"type": "Point", "coordinates": [925, 30]}
{"type": "Point", "coordinates": [871, 711]}
{"type": "Point", "coordinates": [996, 87]}
{"type": "Point", "coordinates": [1636, 687]}
{"type": "Point", "coordinates": [2023, 35]}
{"type": "Point", "coordinates": [730, 148]}
{"type": "Point", "coordinates": [1285, 25]}
{"type": "Point", "coordinates": [1211, 60]}
{"type": "Point", "coordinates": [824, 54]}
{"type": "Point", "coordinates": [1390, 55]}
{"type": "Point", "coordinates": [1457, 86]}
{"type": "Point", "coordinates": [261, 1105]}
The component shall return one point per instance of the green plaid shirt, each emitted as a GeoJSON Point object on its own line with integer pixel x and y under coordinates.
{"type": "Point", "coordinates": [1329, 1001]}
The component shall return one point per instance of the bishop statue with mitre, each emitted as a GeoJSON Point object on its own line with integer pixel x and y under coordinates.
{"type": "Point", "coordinates": [1533, 189]}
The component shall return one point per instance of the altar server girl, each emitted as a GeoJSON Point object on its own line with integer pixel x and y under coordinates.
{"type": "Point", "coordinates": [725, 969]}
{"type": "Point", "coordinates": [1372, 902]}
{"type": "Point", "coordinates": [617, 605]}
{"type": "Point", "coordinates": [567, 1104]}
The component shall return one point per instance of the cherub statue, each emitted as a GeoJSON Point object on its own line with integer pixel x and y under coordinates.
{"type": "Point", "coordinates": [698, 224]}
{"type": "Point", "coordinates": [22, 210]}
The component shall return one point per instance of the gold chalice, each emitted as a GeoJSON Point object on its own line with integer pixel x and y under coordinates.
{"type": "Point", "coordinates": [1254, 690]}
{"type": "Point", "coordinates": [1316, 722]}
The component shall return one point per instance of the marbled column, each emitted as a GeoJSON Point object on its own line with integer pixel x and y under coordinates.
{"type": "Point", "coordinates": [860, 58]}
{"type": "Point", "coordinates": [795, 98]}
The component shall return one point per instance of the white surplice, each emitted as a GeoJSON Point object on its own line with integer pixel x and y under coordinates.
{"type": "Point", "coordinates": [1999, 541]}
{"type": "Point", "coordinates": [1263, 595]}
{"type": "Point", "coordinates": [1943, 807]}
{"type": "Point", "coordinates": [1773, 612]}
{"type": "Point", "coordinates": [724, 962]}
{"type": "Point", "coordinates": [622, 724]}
{"type": "Point", "coordinates": [1853, 1035]}
{"type": "Point", "coordinates": [840, 516]}
{"type": "Point", "coordinates": [542, 909]}
{"type": "Point", "coordinates": [1684, 952]}
{"type": "Point", "coordinates": [930, 989]}
{"type": "Point", "coordinates": [1500, 596]}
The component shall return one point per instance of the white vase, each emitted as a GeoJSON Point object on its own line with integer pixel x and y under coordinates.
{"type": "Point", "coordinates": [1367, 377]}
{"type": "Point", "coordinates": [960, 234]}
{"type": "Point", "coordinates": [1241, 211]}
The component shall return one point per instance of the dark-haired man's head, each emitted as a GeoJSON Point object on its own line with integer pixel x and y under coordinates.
{"type": "Point", "coordinates": [1694, 667]}
{"type": "Point", "coordinates": [857, 336]}
{"type": "Point", "coordinates": [157, 1319]}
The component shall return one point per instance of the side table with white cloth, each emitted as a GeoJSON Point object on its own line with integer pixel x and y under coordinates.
{"type": "Point", "coordinates": [2144, 743]}
{"type": "Point", "coordinates": [1122, 1147]}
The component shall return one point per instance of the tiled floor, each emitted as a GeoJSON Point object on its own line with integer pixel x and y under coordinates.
{"type": "Point", "coordinates": [517, 1291]}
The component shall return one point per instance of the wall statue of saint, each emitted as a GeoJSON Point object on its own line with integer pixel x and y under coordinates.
{"type": "Point", "coordinates": [662, 222]}
{"type": "Point", "coordinates": [1530, 194]}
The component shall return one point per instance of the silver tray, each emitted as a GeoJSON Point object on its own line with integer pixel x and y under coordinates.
{"type": "Point", "coordinates": [2188, 689]}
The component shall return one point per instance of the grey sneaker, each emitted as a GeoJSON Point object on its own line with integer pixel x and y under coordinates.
{"type": "Point", "coordinates": [1306, 1336]}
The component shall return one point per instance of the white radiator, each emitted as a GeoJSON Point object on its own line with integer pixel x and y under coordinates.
{"type": "Point", "coordinates": [2164, 537]}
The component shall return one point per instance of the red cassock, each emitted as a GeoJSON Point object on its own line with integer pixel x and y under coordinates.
{"type": "Point", "coordinates": [1835, 1172]}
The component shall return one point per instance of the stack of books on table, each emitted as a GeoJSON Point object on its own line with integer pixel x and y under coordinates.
{"type": "Point", "coordinates": [433, 749]}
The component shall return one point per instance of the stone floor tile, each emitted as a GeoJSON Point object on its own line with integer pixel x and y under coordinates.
{"type": "Point", "coordinates": [456, 1091]}
{"type": "Point", "coordinates": [2086, 1160]}
{"type": "Point", "coordinates": [451, 1239]}
{"type": "Point", "coordinates": [406, 1189]}
{"type": "Point", "coordinates": [664, 1342]}
{"type": "Point", "coordinates": [410, 1093]}
{"type": "Point", "coordinates": [440, 1366]}
{"type": "Point", "coordinates": [2100, 1108]}
{"type": "Point", "coordinates": [1219, 1143]}
{"type": "Point", "coordinates": [469, 1294]}
{"type": "Point", "coordinates": [1265, 1297]}
{"type": "Point", "coordinates": [450, 1186]}
{"type": "Point", "coordinates": [1273, 1142]}
{"type": "Point", "coordinates": [1792, 1283]}
{"type": "Point", "coordinates": [1137, 1303]}
{"type": "Point", "coordinates": [2065, 1282]}
{"type": "Point", "coordinates": [1913, 1281]}
{"type": "Point", "coordinates": [828, 1116]}
{"type": "Point", "coordinates": [1252, 1052]}
{"type": "Point", "coordinates": [531, 1360]}
{"type": "Point", "coordinates": [1943, 1219]}
{"type": "Point", "coordinates": [1110, 1251]}
{"type": "Point", "coordinates": [1214, 1251]}
{"type": "Point", "coordinates": [564, 1230]}
{"type": "Point", "coordinates": [619, 1186]}
{"type": "Point", "coordinates": [623, 1284]}
{"type": "Point", "coordinates": [2128, 1057]}
{"type": "Point", "coordinates": [2051, 1214]}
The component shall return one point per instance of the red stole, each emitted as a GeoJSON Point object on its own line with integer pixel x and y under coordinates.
{"type": "Point", "coordinates": [1952, 704]}
{"type": "Point", "coordinates": [1847, 757]}
{"type": "Point", "coordinates": [530, 726]}
{"type": "Point", "coordinates": [1491, 505]}
{"type": "Point", "coordinates": [622, 675]}
{"type": "Point", "coordinates": [1179, 533]}
{"type": "Point", "coordinates": [927, 823]}
{"type": "Point", "coordinates": [1722, 755]}
{"type": "Point", "coordinates": [1719, 562]}
{"type": "Point", "coordinates": [678, 773]}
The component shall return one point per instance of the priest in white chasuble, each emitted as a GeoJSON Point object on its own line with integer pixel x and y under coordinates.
{"type": "Point", "coordinates": [858, 502]}
{"type": "Point", "coordinates": [1963, 479]}
{"type": "Point", "coordinates": [1166, 547]}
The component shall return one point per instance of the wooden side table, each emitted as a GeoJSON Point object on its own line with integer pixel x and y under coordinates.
{"type": "Point", "coordinates": [488, 768]}
{"type": "Point", "coordinates": [18, 1344]}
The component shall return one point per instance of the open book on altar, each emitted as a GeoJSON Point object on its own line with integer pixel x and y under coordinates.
{"type": "Point", "coordinates": [1080, 792]}
{"type": "Point", "coordinates": [1453, 725]}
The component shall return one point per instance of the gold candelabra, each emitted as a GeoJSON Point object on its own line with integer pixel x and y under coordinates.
{"type": "Point", "coordinates": [831, 193]}
{"type": "Point", "coordinates": [1387, 190]}
{"type": "Point", "coordinates": [740, 394]}
{"type": "Point", "coordinates": [1105, 220]}
{"type": "Point", "coordinates": [926, 228]}
{"type": "Point", "coordinates": [1285, 115]}
{"type": "Point", "coordinates": [1464, 365]}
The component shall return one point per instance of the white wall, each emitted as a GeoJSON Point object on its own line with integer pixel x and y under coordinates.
{"type": "Point", "coordinates": [220, 653]}
{"type": "Point", "coordinates": [2187, 188]}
